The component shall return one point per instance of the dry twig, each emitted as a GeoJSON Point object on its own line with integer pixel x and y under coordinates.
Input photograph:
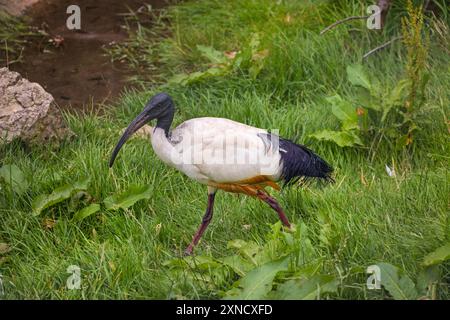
{"type": "Point", "coordinates": [384, 45]}
{"type": "Point", "coordinates": [331, 26]}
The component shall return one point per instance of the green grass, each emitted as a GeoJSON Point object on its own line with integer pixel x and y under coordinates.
{"type": "Point", "coordinates": [365, 217]}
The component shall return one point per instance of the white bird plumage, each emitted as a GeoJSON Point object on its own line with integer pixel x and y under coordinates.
{"type": "Point", "coordinates": [224, 147]}
{"type": "Point", "coordinates": [225, 154]}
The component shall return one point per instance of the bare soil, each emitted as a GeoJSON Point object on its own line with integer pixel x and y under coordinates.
{"type": "Point", "coordinates": [16, 7]}
{"type": "Point", "coordinates": [74, 67]}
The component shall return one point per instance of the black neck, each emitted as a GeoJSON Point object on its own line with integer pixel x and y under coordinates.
{"type": "Point", "coordinates": [165, 121]}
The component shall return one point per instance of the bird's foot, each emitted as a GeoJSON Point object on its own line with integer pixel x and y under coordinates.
{"type": "Point", "coordinates": [291, 228]}
{"type": "Point", "coordinates": [188, 251]}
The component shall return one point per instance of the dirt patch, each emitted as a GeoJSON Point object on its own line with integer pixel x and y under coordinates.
{"type": "Point", "coordinates": [16, 7]}
{"type": "Point", "coordinates": [75, 69]}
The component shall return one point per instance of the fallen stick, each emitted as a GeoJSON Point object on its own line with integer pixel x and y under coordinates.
{"type": "Point", "coordinates": [384, 45]}
{"type": "Point", "coordinates": [331, 26]}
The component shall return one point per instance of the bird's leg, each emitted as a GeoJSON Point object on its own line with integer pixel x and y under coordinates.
{"type": "Point", "coordinates": [205, 222]}
{"type": "Point", "coordinates": [273, 203]}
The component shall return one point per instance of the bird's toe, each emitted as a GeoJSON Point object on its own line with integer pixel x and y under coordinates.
{"type": "Point", "coordinates": [188, 252]}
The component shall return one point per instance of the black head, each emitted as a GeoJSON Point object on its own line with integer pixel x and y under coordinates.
{"type": "Point", "coordinates": [159, 107]}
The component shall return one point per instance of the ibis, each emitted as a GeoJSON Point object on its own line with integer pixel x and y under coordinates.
{"type": "Point", "coordinates": [226, 155]}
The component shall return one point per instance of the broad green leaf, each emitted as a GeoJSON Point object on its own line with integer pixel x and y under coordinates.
{"type": "Point", "coordinates": [202, 262]}
{"type": "Point", "coordinates": [86, 212]}
{"type": "Point", "coordinates": [128, 198]}
{"type": "Point", "coordinates": [305, 289]}
{"type": "Point", "coordinates": [358, 76]}
{"type": "Point", "coordinates": [215, 72]}
{"type": "Point", "coordinates": [212, 54]}
{"type": "Point", "coordinates": [428, 276]}
{"type": "Point", "coordinates": [255, 69]}
{"type": "Point", "coordinates": [14, 177]}
{"type": "Point", "coordinates": [194, 268]}
{"type": "Point", "coordinates": [396, 97]}
{"type": "Point", "coordinates": [193, 77]}
{"type": "Point", "coordinates": [239, 244]}
{"type": "Point", "coordinates": [81, 185]}
{"type": "Point", "coordinates": [403, 140]}
{"type": "Point", "coordinates": [399, 285]}
{"type": "Point", "coordinates": [439, 255]}
{"type": "Point", "coordinates": [399, 93]}
{"type": "Point", "coordinates": [192, 262]}
{"type": "Point", "coordinates": [58, 195]}
{"type": "Point", "coordinates": [238, 264]}
{"type": "Point", "coordinates": [344, 111]}
{"type": "Point", "coordinates": [185, 79]}
{"type": "Point", "coordinates": [257, 283]}
{"type": "Point", "coordinates": [367, 100]}
{"type": "Point", "coordinates": [341, 138]}
{"type": "Point", "coordinates": [248, 250]}
{"type": "Point", "coordinates": [79, 198]}
{"type": "Point", "coordinates": [307, 271]}
{"type": "Point", "coordinates": [45, 201]}
{"type": "Point", "coordinates": [179, 78]}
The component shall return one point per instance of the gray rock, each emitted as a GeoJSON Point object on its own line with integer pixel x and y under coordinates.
{"type": "Point", "coordinates": [27, 111]}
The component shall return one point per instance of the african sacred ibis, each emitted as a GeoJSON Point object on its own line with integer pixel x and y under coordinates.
{"type": "Point", "coordinates": [224, 154]}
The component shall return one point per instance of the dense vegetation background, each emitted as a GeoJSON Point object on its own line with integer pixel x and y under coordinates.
{"type": "Point", "coordinates": [382, 122]}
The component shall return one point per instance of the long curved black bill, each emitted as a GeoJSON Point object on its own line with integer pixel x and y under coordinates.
{"type": "Point", "coordinates": [134, 126]}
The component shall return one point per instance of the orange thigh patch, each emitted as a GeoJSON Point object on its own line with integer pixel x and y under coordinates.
{"type": "Point", "coordinates": [249, 186]}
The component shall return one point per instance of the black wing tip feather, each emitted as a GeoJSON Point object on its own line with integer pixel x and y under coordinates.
{"type": "Point", "coordinates": [299, 161]}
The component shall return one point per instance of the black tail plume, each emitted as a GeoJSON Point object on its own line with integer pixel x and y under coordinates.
{"type": "Point", "coordinates": [299, 161]}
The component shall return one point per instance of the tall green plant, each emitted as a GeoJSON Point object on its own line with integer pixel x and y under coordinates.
{"type": "Point", "coordinates": [373, 113]}
{"type": "Point", "coordinates": [250, 59]}
{"type": "Point", "coordinates": [381, 111]}
{"type": "Point", "coordinates": [416, 43]}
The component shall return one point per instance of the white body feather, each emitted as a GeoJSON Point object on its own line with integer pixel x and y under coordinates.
{"type": "Point", "coordinates": [217, 150]}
